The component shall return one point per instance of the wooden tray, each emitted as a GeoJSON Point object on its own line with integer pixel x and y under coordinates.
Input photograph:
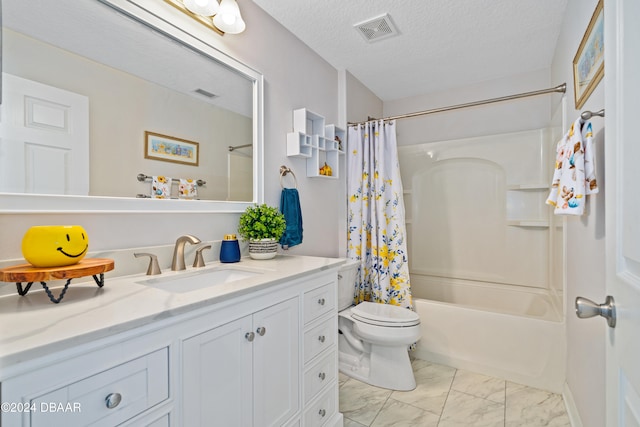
{"type": "Point", "coordinates": [29, 273]}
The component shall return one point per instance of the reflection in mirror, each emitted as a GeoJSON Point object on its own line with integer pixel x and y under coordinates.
{"type": "Point", "coordinates": [82, 85]}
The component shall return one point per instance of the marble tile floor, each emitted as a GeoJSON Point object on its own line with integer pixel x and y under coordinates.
{"type": "Point", "coordinates": [449, 397]}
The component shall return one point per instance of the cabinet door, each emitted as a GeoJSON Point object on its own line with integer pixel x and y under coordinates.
{"type": "Point", "coordinates": [276, 364]}
{"type": "Point", "coordinates": [216, 371]}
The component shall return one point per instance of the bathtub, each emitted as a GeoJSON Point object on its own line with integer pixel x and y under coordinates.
{"type": "Point", "coordinates": [498, 330]}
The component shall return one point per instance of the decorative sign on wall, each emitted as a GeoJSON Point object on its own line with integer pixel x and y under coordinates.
{"type": "Point", "coordinates": [588, 64]}
{"type": "Point", "coordinates": [170, 149]}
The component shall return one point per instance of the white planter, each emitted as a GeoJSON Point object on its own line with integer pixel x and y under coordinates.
{"type": "Point", "coordinates": [263, 249]}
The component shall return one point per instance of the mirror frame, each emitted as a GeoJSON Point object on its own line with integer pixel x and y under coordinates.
{"type": "Point", "coordinates": [165, 22]}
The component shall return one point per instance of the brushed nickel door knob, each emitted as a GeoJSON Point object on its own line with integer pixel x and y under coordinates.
{"type": "Point", "coordinates": [586, 308]}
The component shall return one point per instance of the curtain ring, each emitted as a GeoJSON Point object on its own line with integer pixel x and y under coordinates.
{"type": "Point", "coordinates": [285, 170]}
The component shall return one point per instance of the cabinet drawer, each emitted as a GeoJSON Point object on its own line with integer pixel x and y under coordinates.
{"type": "Point", "coordinates": [319, 375]}
{"type": "Point", "coordinates": [150, 421]}
{"type": "Point", "coordinates": [319, 338]}
{"type": "Point", "coordinates": [294, 423]}
{"type": "Point", "coordinates": [160, 422]}
{"type": "Point", "coordinates": [321, 410]}
{"type": "Point", "coordinates": [130, 389]}
{"type": "Point", "coordinates": [319, 301]}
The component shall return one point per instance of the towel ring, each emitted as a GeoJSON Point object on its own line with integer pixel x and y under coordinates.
{"type": "Point", "coordinates": [285, 170]}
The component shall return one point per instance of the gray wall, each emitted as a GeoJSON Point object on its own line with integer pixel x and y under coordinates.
{"type": "Point", "coordinates": [586, 240]}
{"type": "Point", "coordinates": [511, 116]}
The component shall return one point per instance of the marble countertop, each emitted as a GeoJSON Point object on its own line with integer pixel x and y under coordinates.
{"type": "Point", "coordinates": [32, 326]}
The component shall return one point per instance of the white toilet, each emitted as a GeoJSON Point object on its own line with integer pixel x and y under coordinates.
{"type": "Point", "coordinates": [374, 338]}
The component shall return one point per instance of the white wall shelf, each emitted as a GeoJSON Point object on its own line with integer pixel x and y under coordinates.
{"type": "Point", "coordinates": [527, 187]}
{"type": "Point", "coordinates": [320, 144]}
{"type": "Point", "coordinates": [528, 223]}
{"type": "Point", "coordinates": [299, 145]}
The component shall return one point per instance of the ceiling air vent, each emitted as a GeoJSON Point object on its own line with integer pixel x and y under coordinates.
{"type": "Point", "coordinates": [378, 28]}
{"type": "Point", "coordinates": [205, 93]}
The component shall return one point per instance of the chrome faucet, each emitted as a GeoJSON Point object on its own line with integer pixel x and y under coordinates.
{"type": "Point", "coordinates": [178, 251]}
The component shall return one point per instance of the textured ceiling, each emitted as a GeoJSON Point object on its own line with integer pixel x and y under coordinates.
{"type": "Point", "coordinates": [441, 44]}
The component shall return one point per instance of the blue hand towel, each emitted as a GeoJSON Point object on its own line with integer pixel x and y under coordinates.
{"type": "Point", "coordinates": [290, 208]}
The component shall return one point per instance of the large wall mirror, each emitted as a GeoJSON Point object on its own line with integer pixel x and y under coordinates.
{"type": "Point", "coordinates": [102, 96]}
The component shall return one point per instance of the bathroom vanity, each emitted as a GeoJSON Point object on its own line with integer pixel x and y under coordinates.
{"type": "Point", "coordinates": [260, 350]}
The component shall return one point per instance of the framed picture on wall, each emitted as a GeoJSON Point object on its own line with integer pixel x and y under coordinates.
{"type": "Point", "coordinates": [588, 64]}
{"type": "Point", "coordinates": [171, 149]}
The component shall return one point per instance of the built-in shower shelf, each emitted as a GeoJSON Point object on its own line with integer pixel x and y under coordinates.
{"type": "Point", "coordinates": [527, 187]}
{"type": "Point", "coordinates": [528, 223]}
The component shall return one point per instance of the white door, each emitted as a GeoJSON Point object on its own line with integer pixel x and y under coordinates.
{"type": "Point", "coordinates": [44, 139]}
{"type": "Point", "coordinates": [622, 151]}
{"type": "Point", "coordinates": [276, 350]}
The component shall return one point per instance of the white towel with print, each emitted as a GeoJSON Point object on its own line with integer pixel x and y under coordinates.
{"type": "Point", "coordinates": [187, 189]}
{"type": "Point", "coordinates": [160, 187]}
{"type": "Point", "coordinates": [574, 176]}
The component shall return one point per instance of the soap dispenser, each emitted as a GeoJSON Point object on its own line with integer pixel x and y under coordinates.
{"type": "Point", "coordinates": [230, 249]}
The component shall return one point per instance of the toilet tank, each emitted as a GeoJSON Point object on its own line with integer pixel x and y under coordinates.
{"type": "Point", "coordinates": [346, 283]}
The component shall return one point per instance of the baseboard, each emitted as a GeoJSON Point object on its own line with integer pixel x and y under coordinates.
{"type": "Point", "coordinates": [570, 405]}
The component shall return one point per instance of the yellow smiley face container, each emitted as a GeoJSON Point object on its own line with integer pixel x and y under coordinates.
{"type": "Point", "coordinates": [54, 245]}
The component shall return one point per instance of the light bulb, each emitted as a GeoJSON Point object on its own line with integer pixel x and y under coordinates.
{"type": "Point", "coordinates": [228, 18]}
{"type": "Point", "coordinates": [202, 7]}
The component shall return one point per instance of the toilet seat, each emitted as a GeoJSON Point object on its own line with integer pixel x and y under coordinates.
{"type": "Point", "coordinates": [384, 315]}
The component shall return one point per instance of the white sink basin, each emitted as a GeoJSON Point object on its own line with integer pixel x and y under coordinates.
{"type": "Point", "coordinates": [200, 279]}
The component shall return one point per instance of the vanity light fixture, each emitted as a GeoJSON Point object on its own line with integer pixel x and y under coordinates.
{"type": "Point", "coordinates": [202, 7]}
{"type": "Point", "coordinates": [223, 17]}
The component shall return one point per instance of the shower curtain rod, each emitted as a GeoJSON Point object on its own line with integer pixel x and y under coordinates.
{"type": "Point", "coordinates": [235, 147]}
{"type": "Point", "coordinates": [560, 89]}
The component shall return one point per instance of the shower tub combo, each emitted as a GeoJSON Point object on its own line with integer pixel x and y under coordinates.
{"type": "Point", "coordinates": [485, 256]}
{"type": "Point", "coordinates": [506, 333]}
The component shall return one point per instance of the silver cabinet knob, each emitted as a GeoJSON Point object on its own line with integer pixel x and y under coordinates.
{"type": "Point", "coordinates": [321, 301]}
{"type": "Point", "coordinates": [113, 399]}
{"type": "Point", "coordinates": [586, 308]}
{"type": "Point", "coordinates": [322, 412]}
{"type": "Point", "coordinates": [249, 336]}
{"type": "Point", "coordinates": [322, 376]}
{"type": "Point", "coordinates": [321, 338]}
{"type": "Point", "coordinates": [261, 331]}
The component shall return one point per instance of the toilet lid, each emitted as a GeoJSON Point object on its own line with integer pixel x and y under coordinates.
{"type": "Point", "coordinates": [384, 314]}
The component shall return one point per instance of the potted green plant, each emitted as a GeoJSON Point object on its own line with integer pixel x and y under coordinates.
{"type": "Point", "coordinates": [262, 226]}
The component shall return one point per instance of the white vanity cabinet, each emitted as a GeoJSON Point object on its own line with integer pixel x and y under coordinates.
{"type": "Point", "coordinates": [320, 356]}
{"type": "Point", "coordinates": [276, 366]}
{"type": "Point", "coordinates": [263, 356]}
{"type": "Point", "coordinates": [245, 372]}
{"type": "Point", "coordinates": [104, 387]}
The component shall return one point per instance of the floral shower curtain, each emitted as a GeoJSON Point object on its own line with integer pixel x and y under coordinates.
{"type": "Point", "coordinates": [376, 222]}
